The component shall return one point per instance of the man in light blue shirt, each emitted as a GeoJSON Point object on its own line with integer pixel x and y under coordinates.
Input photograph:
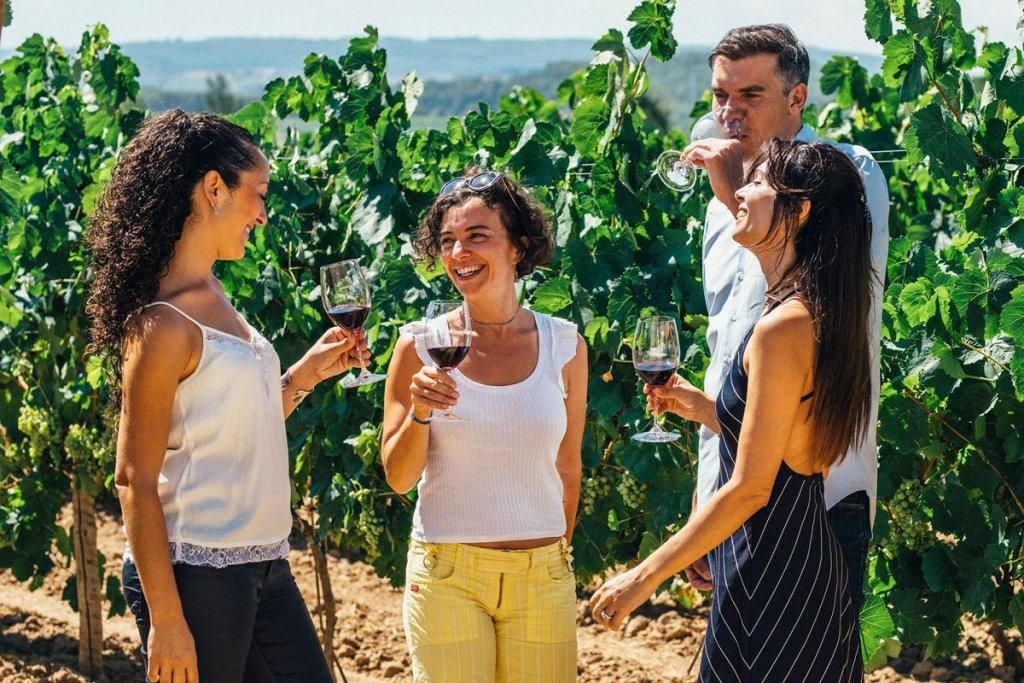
{"type": "Point", "coordinates": [759, 82]}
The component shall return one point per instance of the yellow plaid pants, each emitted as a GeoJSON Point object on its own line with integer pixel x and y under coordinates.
{"type": "Point", "coordinates": [475, 615]}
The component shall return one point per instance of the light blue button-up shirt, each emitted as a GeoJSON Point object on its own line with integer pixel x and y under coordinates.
{"type": "Point", "coordinates": [734, 290]}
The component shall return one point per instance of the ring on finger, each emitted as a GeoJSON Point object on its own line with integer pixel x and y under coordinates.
{"type": "Point", "coordinates": [605, 615]}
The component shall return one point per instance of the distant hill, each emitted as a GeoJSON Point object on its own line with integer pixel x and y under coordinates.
{"type": "Point", "coordinates": [459, 72]}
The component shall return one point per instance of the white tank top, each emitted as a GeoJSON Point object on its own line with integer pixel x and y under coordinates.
{"type": "Point", "coordinates": [493, 477]}
{"type": "Point", "coordinates": [224, 483]}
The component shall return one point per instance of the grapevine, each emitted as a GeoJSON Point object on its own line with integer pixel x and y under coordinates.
{"type": "Point", "coordinates": [593, 488]}
{"type": "Point", "coordinates": [631, 490]}
{"type": "Point", "coordinates": [351, 177]}
{"type": "Point", "coordinates": [908, 528]}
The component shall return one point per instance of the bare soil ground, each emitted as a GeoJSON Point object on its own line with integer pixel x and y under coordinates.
{"type": "Point", "coordinates": [38, 634]}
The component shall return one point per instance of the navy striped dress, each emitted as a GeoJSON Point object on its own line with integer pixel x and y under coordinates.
{"type": "Point", "coordinates": [781, 611]}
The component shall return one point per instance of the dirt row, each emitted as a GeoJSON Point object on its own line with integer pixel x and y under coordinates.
{"type": "Point", "coordinates": [38, 634]}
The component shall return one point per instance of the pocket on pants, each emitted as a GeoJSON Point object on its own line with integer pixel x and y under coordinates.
{"type": "Point", "coordinates": [429, 564]}
{"type": "Point", "coordinates": [560, 567]}
{"type": "Point", "coordinates": [435, 609]}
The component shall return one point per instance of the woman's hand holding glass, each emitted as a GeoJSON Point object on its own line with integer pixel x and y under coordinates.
{"type": "Point", "coordinates": [655, 359]}
{"type": "Point", "coordinates": [432, 389]}
{"type": "Point", "coordinates": [681, 398]}
{"type": "Point", "coordinates": [335, 352]}
{"type": "Point", "coordinates": [346, 297]}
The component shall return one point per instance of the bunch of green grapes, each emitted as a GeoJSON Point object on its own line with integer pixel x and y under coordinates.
{"type": "Point", "coordinates": [597, 486]}
{"type": "Point", "coordinates": [37, 425]}
{"type": "Point", "coordinates": [631, 490]}
{"type": "Point", "coordinates": [85, 445]}
{"type": "Point", "coordinates": [907, 529]}
{"type": "Point", "coordinates": [370, 522]}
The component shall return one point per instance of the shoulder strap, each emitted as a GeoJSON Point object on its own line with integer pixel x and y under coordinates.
{"type": "Point", "coordinates": [180, 312]}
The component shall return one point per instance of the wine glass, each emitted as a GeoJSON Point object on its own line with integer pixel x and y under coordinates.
{"type": "Point", "coordinates": [678, 172]}
{"type": "Point", "coordinates": [448, 336]}
{"type": "Point", "coordinates": [347, 302]}
{"type": "Point", "coordinates": [655, 359]}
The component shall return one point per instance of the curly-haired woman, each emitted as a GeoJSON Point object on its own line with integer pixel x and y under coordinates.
{"type": "Point", "coordinates": [490, 594]}
{"type": "Point", "coordinates": [202, 463]}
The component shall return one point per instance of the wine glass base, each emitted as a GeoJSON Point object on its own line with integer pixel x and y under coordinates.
{"type": "Point", "coordinates": [448, 417]}
{"type": "Point", "coordinates": [351, 381]}
{"type": "Point", "coordinates": [656, 437]}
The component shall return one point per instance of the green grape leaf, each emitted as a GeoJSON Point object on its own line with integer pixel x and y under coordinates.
{"type": "Point", "coordinates": [589, 121]}
{"type": "Point", "coordinates": [412, 89]}
{"type": "Point", "coordinates": [845, 77]}
{"type": "Point", "coordinates": [652, 24]}
{"type": "Point", "coordinates": [10, 184]}
{"type": "Point", "coordinates": [1011, 320]}
{"type": "Point", "coordinates": [10, 314]}
{"type": "Point", "coordinates": [1017, 611]}
{"type": "Point", "coordinates": [612, 42]}
{"type": "Point", "coordinates": [933, 133]}
{"type": "Point", "coordinates": [876, 628]}
{"type": "Point", "coordinates": [918, 301]}
{"type": "Point", "coordinates": [877, 20]}
{"type": "Point", "coordinates": [938, 571]}
{"type": "Point", "coordinates": [904, 65]}
{"type": "Point", "coordinates": [553, 296]}
{"type": "Point", "coordinates": [1017, 372]}
{"type": "Point", "coordinates": [372, 218]}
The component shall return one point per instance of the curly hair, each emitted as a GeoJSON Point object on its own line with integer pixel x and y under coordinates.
{"type": "Point", "coordinates": [142, 211]}
{"type": "Point", "coordinates": [833, 273]}
{"type": "Point", "coordinates": [520, 213]}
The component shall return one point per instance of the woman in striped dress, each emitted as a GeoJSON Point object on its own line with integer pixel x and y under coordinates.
{"type": "Point", "coordinates": [796, 398]}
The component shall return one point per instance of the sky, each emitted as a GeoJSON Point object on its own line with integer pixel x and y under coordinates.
{"type": "Point", "coordinates": [832, 24]}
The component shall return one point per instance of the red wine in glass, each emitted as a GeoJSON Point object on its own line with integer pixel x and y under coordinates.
{"type": "Point", "coordinates": [655, 359]}
{"type": "Point", "coordinates": [346, 296]}
{"type": "Point", "coordinates": [448, 357]}
{"type": "Point", "coordinates": [447, 337]}
{"type": "Point", "coordinates": [655, 374]}
{"type": "Point", "coordinates": [350, 317]}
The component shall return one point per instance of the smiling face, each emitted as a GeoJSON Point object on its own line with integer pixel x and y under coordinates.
{"type": "Point", "coordinates": [756, 97]}
{"type": "Point", "coordinates": [756, 208]}
{"type": "Point", "coordinates": [476, 251]}
{"type": "Point", "coordinates": [241, 209]}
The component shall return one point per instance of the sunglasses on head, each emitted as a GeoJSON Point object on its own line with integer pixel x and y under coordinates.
{"type": "Point", "coordinates": [476, 183]}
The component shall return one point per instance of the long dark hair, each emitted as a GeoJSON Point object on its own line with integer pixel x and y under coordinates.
{"type": "Point", "coordinates": [141, 214]}
{"type": "Point", "coordinates": [833, 274]}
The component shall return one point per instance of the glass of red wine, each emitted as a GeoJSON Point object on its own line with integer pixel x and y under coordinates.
{"type": "Point", "coordinates": [448, 336]}
{"type": "Point", "coordinates": [655, 359]}
{"type": "Point", "coordinates": [347, 302]}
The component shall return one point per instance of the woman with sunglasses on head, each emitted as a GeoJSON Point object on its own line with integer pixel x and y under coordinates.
{"type": "Point", "coordinates": [202, 459]}
{"type": "Point", "coordinates": [797, 396]}
{"type": "Point", "coordinates": [490, 593]}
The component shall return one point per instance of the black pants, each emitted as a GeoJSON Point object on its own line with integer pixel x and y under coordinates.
{"type": "Point", "coordinates": [249, 622]}
{"type": "Point", "coordinates": [850, 520]}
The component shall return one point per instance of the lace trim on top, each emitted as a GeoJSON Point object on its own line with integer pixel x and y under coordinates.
{"type": "Point", "coordinates": [201, 556]}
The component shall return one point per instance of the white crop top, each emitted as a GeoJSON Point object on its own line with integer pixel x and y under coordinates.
{"type": "Point", "coordinates": [224, 483]}
{"type": "Point", "coordinates": [493, 477]}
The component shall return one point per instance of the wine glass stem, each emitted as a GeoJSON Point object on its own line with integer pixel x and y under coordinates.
{"type": "Point", "coordinates": [362, 362]}
{"type": "Point", "coordinates": [655, 427]}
